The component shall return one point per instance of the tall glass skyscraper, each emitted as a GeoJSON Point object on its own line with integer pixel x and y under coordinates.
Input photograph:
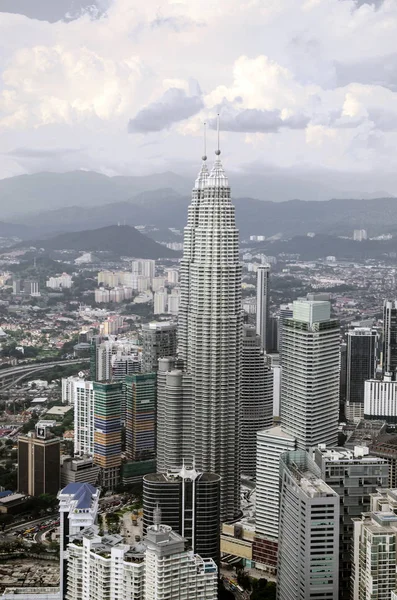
{"type": "Point", "coordinates": [390, 337]}
{"type": "Point", "coordinates": [210, 331]}
{"type": "Point", "coordinates": [361, 365]}
{"type": "Point", "coordinates": [310, 375]}
{"type": "Point", "coordinates": [262, 305]}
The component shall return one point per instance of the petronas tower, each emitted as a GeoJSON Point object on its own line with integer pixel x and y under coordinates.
{"type": "Point", "coordinates": [210, 331]}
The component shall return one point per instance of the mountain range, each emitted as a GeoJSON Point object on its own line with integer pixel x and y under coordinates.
{"type": "Point", "coordinates": [83, 200]}
{"type": "Point", "coordinates": [122, 240]}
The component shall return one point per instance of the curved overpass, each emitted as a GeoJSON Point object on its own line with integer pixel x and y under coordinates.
{"type": "Point", "coordinates": [13, 375]}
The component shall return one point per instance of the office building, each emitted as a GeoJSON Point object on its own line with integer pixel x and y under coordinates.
{"type": "Point", "coordinates": [140, 429]}
{"type": "Point", "coordinates": [271, 444]}
{"type": "Point", "coordinates": [107, 434]}
{"type": "Point", "coordinates": [380, 399]}
{"type": "Point", "coordinates": [354, 475]}
{"type": "Point", "coordinates": [210, 331]}
{"type": "Point", "coordinates": [189, 503]}
{"type": "Point", "coordinates": [175, 429]}
{"type": "Point", "coordinates": [256, 398]}
{"type": "Point", "coordinates": [285, 312]}
{"type": "Point", "coordinates": [79, 469]}
{"type": "Point", "coordinates": [39, 462]}
{"type": "Point", "coordinates": [123, 365]}
{"type": "Point", "coordinates": [390, 337]}
{"type": "Point", "coordinates": [158, 341]}
{"type": "Point", "coordinates": [309, 532]}
{"type": "Point", "coordinates": [361, 365]}
{"type": "Point", "coordinates": [374, 557]}
{"type": "Point", "coordinates": [143, 267]}
{"type": "Point", "coordinates": [262, 304]}
{"type": "Point", "coordinates": [105, 568]}
{"type": "Point", "coordinates": [310, 374]}
{"type": "Point", "coordinates": [78, 509]}
{"type": "Point", "coordinates": [109, 356]}
{"type": "Point", "coordinates": [385, 447]}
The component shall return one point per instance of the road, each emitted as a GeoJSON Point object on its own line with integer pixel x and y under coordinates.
{"type": "Point", "coordinates": [21, 371]}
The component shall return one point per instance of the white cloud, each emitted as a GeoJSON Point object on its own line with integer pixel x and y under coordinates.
{"type": "Point", "coordinates": [298, 82]}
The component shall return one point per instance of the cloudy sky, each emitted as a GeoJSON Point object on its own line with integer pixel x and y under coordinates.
{"type": "Point", "coordinates": [124, 86]}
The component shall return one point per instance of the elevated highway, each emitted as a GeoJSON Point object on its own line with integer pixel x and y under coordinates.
{"type": "Point", "coordinates": [13, 375]}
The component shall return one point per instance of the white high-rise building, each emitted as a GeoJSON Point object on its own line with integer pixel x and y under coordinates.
{"type": "Point", "coordinates": [160, 302]}
{"type": "Point", "coordinates": [308, 561]}
{"type": "Point", "coordinates": [174, 301]}
{"type": "Point", "coordinates": [172, 276]}
{"type": "Point", "coordinates": [78, 509]}
{"type": "Point", "coordinates": [105, 351]}
{"type": "Point", "coordinates": [83, 402]}
{"type": "Point", "coordinates": [210, 331]}
{"type": "Point", "coordinates": [262, 304]}
{"type": "Point", "coordinates": [105, 568]}
{"type": "Point", "coordinates": [374, 558]}
{"type": "Point", "coordinates": [158, 283]}
{"type": "Point", "coordinates": [256, 398]}
{"type": "Point", "coordinates": [63, 281]}
{"type": "Point", "coordinates": [380, 399]}
{"type": "Point", "coordinates": [173, 572]}
{"type": "Point", "coordinates": [144, 267]}
{"type": "Point", "coordinates": [310, 374]}
{"type": "Point", "coordinates": [271, 444]}
{"type": "Point", "coordinates": [102, 296]}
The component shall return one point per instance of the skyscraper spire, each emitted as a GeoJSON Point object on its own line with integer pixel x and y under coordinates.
{"type": "Point", "coordinates": [218, 150]}
{"type": "Point", "coordinates": [203, 174]}
{"type": "Point", "coordinates": [217, 177]}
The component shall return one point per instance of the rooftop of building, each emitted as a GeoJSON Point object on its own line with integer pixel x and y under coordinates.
{"type": "Point", "coordinates": [183, 473]}
{"type": "Point", "coordinates": [276, 432]}
{"type": "Point", "coordinates": [82, 495]}
{"type": "Point", "coordinates": [380, 522]}
{"type": "Point", "coordinates": [10, 498]}
{"type": "Point", "coordinates": [154, 325]}
{"type": "Point", "coordinates": [313, 486]}
{"type": "Point", "coordinates": [335, 454]}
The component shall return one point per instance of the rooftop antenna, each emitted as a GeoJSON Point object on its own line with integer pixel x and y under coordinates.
{"type": "Point", "coordinates": [204, 157]}
{"type": "Point", "coordinates": [157, 517]}
{"type": "Point", "coordinates": [218, 151]}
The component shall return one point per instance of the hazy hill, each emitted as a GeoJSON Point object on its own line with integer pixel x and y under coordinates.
{"type": "Point", "coordinates": [122, 240]}
{"type": "Point", "coordinates": [22, 195]}
{"type": "Point", "coordinates": [320, 246]}
{"type": "Point", "coordinates": [42, 191]}
{"type": "Point", "coordinates": [165, 208]}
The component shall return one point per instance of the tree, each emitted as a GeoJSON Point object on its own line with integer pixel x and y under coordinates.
{"type": "Point", "coordinates": [263, 590]}
{"type": "Point", "coordinates": [243, 579]}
